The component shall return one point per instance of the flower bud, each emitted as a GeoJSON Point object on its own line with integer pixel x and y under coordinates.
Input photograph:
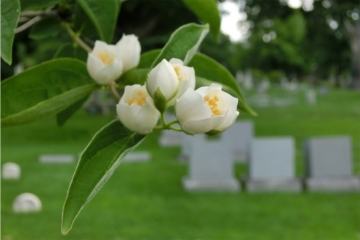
{"type": "Point", "coordinates": [104, 63]}
{"type": "Point", "coordinates": [136, 110]}
{"type": "Point", "coordinates": [186, 78]}
{"type": "Point", "coordinates": [129, 50]}
{"type": "Point", "coordinates": [164, 78]}
{"type": "Point", "coordinates": [206, 110]}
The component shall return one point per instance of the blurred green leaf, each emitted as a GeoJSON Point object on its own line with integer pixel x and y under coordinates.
{"type": "Point", "coordinates": [97, 163]}
{"type": "Point", "coordinates": [71, 51]}
{"type": "Point", "coordinates": [208, 68]}
{"type": "Point", "coordinates": [10, 11]}
{"type": "Point", "coordinates": [148, 58]}
{"type": "Point", "coordinates": [103, 15]}
{"type": "Point", "coordinates": [37, 4]}
{"type": "Point", "coordinates": [208, 12]}
{"type": "Point", "coordinates": [135, 76]}
{"type": "Point", "coordinates": [44, 90]}
{"type": "Point", "coordinates": [46, 28]}
{"type": "Point", "coordinates": [183, 43]}
{"type": "Point", "coordinates": [64, 115]}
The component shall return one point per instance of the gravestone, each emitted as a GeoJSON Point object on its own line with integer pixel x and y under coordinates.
{"type": "Point", "coordinates": [271, 166]}
{"type": "Point", "coordinates": [56, 158]}
{"type": "Point", "coordinates": [137, 157]}
{"type": "Point", "coordinates": [26, 202]}
{"type": "Point", "coordinates": [310, 96]}
{"type": "Point", "coordinates": [170, 138]}
{"type": "Point", "coordinates": [248, 80]}
{"type": "Point", "coordinates": [210, 166]}
{"type": "Point", "coordinates": [11, 171]}
{"type": "Point", "coordinates": [328, 162]}
{"type": "Point", "coordinates": [239, 137]}
{"type": "Point", "coordinates": [186, 146]}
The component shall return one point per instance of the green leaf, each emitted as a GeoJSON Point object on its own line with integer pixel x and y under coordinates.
{"type": "Point", "coordinates": [208, 68]}
{"type": "Point", "coordinates": [97, 163]}
{"type": "Point", "coordinates": [44, 90]}
{"type": "Point", "coordinates": [208, 12]}
{"type": "Point", "coordinates": [10, 11]}
{"type": "Point", "coordinates": [37, 4]}
{"type": "Point", "coordinates": [183, 43]}
{"type": "Point", "coordinates": [103, 15]}
{"type": "Point", "coordinates": [147, 58]}
{"type": "Point", "coordinates": [134, 76]}
{"type": "Point", "coordinates": [46, 28]}
{"type": "Point", "coordinates": [63, 116]}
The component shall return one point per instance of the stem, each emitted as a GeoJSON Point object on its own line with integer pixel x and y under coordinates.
{"type": "Point", "coordinates": [27, 24]}
{"type": "Point", "coordinates": [163, 119]}
{"type": "Point", "coordinates": [76, 38]}
{"type": "Point", "coordinates": [175, 129]}
{"type": "Point", "coordinates": [114, 91]}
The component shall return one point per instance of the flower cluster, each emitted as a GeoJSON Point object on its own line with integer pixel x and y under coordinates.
{"type": "Point", "coordinates": [205, 110]}
{"type": "Point", "coordinates": [106, 62]}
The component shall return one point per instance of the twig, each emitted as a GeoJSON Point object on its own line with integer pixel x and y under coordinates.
{"type": "Point", "coordinates": [47, 12]}
{"type": "Point", "coordinates": [76, 38]}
{"type": "Point", "coordinates": [114, 91]}
{"type": "Point", "coordinates": [27, 24]}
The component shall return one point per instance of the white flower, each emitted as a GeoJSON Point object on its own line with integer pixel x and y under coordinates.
{"type": "Point", "coordinates": [206, 109]}
{"type": "Point", "coordinates": [164, 78]}
{"type": "Point", "coordinates": [129, 50]}
{"type": "Point", "coordinates": [136, 110]}
{"type": "Point", "coordinates": [104, 63]}
{"type": "Point", "coordinates": [186, 78]}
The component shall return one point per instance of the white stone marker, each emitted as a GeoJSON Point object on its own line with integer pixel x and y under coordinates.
{"type": "Point", "coordinates": [26, 202]}
{"type": "Point", "coordinates": [137, 157]}
{"type": "Point", "coordinates": [271, 166]}
{"type": "Point", "coordinates": [329, 164]}
{"type": "Point", "coordinates": [310, 96]}
{"type": "Point", "coordinates": [186, 146]}
{"type": "Point", "coordinates": [56, 158]}
{"type": "Point", "coordinates": [11, 171]}
{"type": "Point", "coordinates": [210, 167]}
{"type": "Point", "coordinates": [239, 137]}
{"type": "Point", "coordinates": [170, 138]}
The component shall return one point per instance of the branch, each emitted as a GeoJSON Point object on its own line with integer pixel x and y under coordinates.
{"type": "Point", "coordinates": [27, 24]}
{"type": "Point", "coordinates": [76, 38]}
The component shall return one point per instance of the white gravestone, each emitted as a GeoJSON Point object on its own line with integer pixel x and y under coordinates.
{"type": "Point", "coordinates": [11, 171]}
{"type": "Point", "coordinates": [329, 164]}
{"type": "Point", "coordinates": [26, 202]}
{"type": "Point", "coordinates": [56, 158]}
{"type": "Point", "coordinates": [239, 137]}
{"type": "Point", "coordinates": [248, 81]}
{"type": "Point", "coordinates": [310, 96]}
{"type": "Point", "coordinates": [186, 146]}
{"type": "Point", "coordinates": [211, 166]}
{"type": "Point", "coordinates": [137, 157]}
{"type": "Point", "coordinates": [170, 138]}
{"type": "Point", "coordinates": [271, 166]}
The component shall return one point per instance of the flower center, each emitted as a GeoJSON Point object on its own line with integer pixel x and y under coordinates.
{"type": "Point", "coordinates": [139, 99]}
{"type": "Point", "coordinates": [212, 102]}
{"type": "Point", "coordinates": [177, 71]}
{"type": "Point", "coordinates": [106, 58]}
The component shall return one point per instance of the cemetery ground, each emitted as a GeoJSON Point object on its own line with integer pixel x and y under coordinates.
{"type": "Point", "coordinates": [146, 200]}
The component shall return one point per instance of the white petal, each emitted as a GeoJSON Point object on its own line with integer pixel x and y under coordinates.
{"type": "Point", "coordinates": [109, 73]}
{"type": "Point", "coordinates": [129, 50]}
{"type": "Point", "coordinates": [93, 65]}
{"type": "Point", "coordinates": [146, 118]}
{"type": "Point", "coordinates": [203, 125]}
{"type": "Point", "coordinates": [127, 114]}
{"type": "Point", "coordinates": [99, 46]}
{"type": "Point", "coordinates": [230, 118]}
{"type": "Point", "coordinates": [191, 106]}
{"type": "Point", "coordinates": [176, 61]}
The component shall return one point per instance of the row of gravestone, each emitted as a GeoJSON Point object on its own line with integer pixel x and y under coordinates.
{"type": "Point", "coordinates": [328, 161]}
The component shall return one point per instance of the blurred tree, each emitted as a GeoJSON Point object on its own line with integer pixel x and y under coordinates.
{"type": "Point", "coordinates": [311, 41]}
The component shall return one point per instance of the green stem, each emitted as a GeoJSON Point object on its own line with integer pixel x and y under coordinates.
{"type": "Point", "coordinates": [114, 91]}
{"type": "Point", "coordinates": [76, 37]}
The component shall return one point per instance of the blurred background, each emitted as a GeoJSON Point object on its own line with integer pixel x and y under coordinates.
{"type": "Point", "coordinates": [279, 51]}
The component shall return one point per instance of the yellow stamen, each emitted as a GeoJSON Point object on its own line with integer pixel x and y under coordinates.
{"type": "Point", "coordinates": [177, 71]}
{"type": "Point", "coordinates": [212, 102]}
{"type": "Point", "coordinates": [139, 99]}
{"type": "Point", "coordinates": [106, 58]}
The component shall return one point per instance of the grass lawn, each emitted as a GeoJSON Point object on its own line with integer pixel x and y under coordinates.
{"type": "Point", "coordinates": [147, 201]}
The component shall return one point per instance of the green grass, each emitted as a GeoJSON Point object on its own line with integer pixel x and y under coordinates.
{"type": "Point", "coordinates": [147, 201]}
